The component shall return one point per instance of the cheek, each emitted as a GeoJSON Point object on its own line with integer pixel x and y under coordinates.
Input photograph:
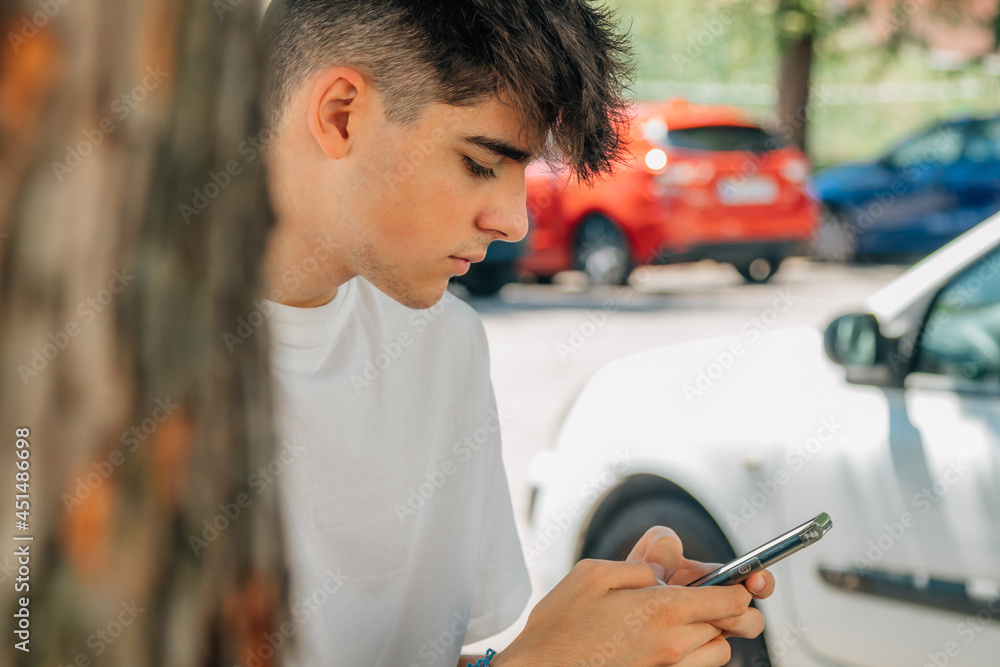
{"type": "Point", "coordinates": [433, 201]}
{"type": "Point", "coordinates": [417, 215]}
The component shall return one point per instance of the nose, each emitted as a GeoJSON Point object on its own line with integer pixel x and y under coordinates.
{"type": "Point", "coordinates": [506, 217]}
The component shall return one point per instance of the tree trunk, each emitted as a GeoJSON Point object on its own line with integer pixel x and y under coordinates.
{"type": "Point", "coordinates": [996, 31]}
{"type": "Point", "coordinates": [794, 70]}
{"type": "Point", "coordinates": [133, 216]}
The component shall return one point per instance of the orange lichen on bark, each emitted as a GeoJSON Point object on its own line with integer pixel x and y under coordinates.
{"type": "Point", "coordinates": [250, 612]}
{"type": "Point", "coordinates": [29, 71]}
{"type": "Point", "coordinates": [171, 458]}
{"type": "Point", "coordinates": [87, 529]}
{"type": "Point", "coordinates": [159, 35]}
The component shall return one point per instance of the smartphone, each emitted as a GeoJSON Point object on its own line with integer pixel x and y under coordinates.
{"type": "Point", "coordinates": [768, 554]}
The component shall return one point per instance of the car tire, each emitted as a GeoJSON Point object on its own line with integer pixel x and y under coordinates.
{"type": "Point", "coordinates": [601, 251]}
{"type": "Point", "coordinates": [759, 269]}
{"type": "Point", "coordinates": [835, 240]}
{"type": "Point", "coordinates": [702, 538]}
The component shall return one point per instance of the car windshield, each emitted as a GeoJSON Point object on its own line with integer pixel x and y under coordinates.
{"type": "Point", "coordinates": [724, 138]}
{"type": "Point", "coordinates": [940, 146]}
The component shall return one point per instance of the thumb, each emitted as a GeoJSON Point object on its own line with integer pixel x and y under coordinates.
{"type": "Point", "coordinates": [661, 547]}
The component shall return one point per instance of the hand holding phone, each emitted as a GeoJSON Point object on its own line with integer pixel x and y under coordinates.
{"type": "Point", "coordinates": [768, 554]}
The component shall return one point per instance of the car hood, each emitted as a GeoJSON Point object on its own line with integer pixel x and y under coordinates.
{"type": "Point", "coordinates": [660, 399]}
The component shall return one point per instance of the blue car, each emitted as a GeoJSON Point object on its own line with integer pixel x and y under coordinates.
{"type": "Point", "coordinates": [926, 190]}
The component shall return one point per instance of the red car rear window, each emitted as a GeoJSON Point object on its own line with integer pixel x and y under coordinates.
{"type": "Point", "coordinates": [724, 138]}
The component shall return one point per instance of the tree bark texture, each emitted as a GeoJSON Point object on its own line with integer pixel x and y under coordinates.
{"type": "Point", "coordinates": [133, 216]}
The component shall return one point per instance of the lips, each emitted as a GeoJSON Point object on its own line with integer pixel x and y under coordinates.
{"type": "Point", "coordinates": [471, 258]}
{"type": "Point", "coordinates": [459, 265]}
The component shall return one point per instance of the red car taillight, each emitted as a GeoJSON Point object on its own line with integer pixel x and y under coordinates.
{"type": "Point", "coordinates": [656, 160]}
{"type": "Point", "coordinates": [795, 170]}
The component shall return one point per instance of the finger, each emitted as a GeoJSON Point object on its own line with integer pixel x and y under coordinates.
{"type": "Point", "coordinates": [652, 535]}
{"type": "Point", "coordinates": [760, 584]}
{"type": "Point", "coordinates": [691, 570]}
{"type": "Point", "coordinates": [706, 603]}
{"type": "Point", "coordinates": [748, 625]}
{"type": "Point", "coordinates": [610, 575]}
{"type": "Point", "coordinates": [685, 640]}
{"type": "Point", "coordinates": [713, 654]}
{"type": "Point", "coordinates": [659, 545]}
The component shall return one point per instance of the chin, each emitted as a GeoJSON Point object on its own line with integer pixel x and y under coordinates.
{"type": "Point", "coordinates": [416, 297]}
{"type": "Point", "coordinates": [424, 303]}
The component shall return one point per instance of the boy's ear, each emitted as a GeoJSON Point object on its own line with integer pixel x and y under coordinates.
{"type": "Point", "coordinates": [340, 98]}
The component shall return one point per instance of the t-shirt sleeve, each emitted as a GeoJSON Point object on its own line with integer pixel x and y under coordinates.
{"type": "Point", "coordinates": [503, 586]}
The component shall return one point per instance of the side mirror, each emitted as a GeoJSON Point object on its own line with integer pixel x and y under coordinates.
{"type": "Point", "coordinates": [857, 343]}
{"type": "Point", "coordinates": [853, 340]}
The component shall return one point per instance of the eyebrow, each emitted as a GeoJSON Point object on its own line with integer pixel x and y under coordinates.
{"type": "Point", "coordinates": [500, 147]}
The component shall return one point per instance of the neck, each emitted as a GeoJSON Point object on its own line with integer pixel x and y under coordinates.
{"type": "Point", "coordinates": [302, 277]}
{"type": "Point", "coordinates": [304, 264]}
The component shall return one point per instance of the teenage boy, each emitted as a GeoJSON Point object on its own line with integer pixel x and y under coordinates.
{"type": "Point", "coordinates": [400, 134]}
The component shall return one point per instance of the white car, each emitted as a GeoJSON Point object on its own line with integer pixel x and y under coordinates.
{"type": "Point", "coordinates": [890, 423]}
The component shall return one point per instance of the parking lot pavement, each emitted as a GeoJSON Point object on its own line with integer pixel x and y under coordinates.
{"type": "Point", "coordinates": [546, 341]}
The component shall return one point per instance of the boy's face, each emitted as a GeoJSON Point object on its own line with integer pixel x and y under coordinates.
{"type": "Point", "coordinates": [398, 204]}
{"type": "Point", "coordinates": [431, 192]}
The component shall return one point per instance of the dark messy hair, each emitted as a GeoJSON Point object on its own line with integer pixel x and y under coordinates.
{"type": "Point", "coordinates": [563, 65]}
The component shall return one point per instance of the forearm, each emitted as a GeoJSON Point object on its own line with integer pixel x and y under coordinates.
{"type": "Point", "coordinates": [502, 659]}
{"type": "Point", "coordinates": [498, 660]}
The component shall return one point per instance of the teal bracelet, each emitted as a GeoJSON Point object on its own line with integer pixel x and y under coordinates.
{"type": "Point", "coordinates": [483, 662]}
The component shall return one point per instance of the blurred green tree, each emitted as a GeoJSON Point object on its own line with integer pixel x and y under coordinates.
{"type": "Point", "coordinates": [801, 24]}
{"type": "Point", "coordinates": [731, 51]}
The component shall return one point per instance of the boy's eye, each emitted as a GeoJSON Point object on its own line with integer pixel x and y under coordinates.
{"type": "Point", "coordinates": [477, 169]}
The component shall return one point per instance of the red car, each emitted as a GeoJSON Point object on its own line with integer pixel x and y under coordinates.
{"type": "Point", "coordinates": [698, 182]}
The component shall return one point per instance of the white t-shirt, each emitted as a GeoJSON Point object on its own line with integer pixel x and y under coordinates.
{"type": "Point", "coordinates": [401, 534]}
